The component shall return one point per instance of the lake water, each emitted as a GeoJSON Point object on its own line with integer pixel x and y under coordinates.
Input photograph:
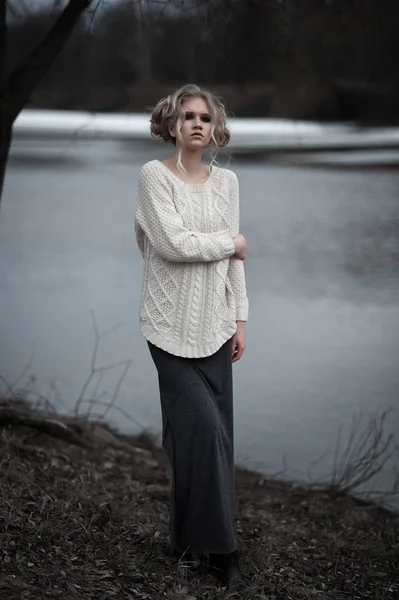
{"type": "Point", "coordinates": [323, 283]}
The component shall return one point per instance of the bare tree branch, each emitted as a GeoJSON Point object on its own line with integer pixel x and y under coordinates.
{"type": "Point", "coordinates": [36, 65]}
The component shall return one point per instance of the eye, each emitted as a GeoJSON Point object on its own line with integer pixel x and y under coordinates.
{"type": "Point", "coordinates": [189, 116]}
{"type": "Point", "coordinates": [206, 118]}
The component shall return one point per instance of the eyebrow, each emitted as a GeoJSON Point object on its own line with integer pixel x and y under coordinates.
{"type": "Point", "coordinates": [191, 112]}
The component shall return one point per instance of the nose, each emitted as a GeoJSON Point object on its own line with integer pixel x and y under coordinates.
{"type": "Point", "coordinates": [197, 122]}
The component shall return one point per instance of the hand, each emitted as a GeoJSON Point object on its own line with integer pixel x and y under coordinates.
{"type": "Point", "coordinates": [238, 341]}
{"type": "Point", "coordinates": [240, 244]}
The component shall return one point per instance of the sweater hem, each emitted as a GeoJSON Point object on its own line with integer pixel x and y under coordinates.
{"type": "Point", "coordinates": [184, 350]}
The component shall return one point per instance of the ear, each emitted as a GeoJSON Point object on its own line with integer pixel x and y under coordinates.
{"type": "Point", "coordinates": [172, 132]}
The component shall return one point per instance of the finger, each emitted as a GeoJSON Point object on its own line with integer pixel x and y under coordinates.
{"type": "Point", "coordinates": [239, 353]}
{"type": "Point", "coordinates": [234, 346]}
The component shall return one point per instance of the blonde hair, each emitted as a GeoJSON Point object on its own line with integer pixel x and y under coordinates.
{"type": "Point", "coordinates": [168, 114]}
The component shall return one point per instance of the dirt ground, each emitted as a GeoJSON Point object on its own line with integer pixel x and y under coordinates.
{"type": "Point", "coordinates": [91, 522]}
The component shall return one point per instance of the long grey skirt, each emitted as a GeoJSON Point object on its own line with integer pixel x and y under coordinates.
{"type": "Point", "coordinates": [198, 437]}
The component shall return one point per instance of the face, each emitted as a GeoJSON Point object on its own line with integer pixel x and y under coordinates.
{"type": "Point", "coordinates": [197, 126]}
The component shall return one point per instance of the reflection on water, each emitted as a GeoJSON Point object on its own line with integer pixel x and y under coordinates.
{"type": "Point", "coordinates": [372, 248]}
{"type": "Point", "coordinates": [323, 280]}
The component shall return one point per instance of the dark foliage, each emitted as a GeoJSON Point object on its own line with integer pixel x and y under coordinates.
{"type": "Point", "coordinates": [323, 59]}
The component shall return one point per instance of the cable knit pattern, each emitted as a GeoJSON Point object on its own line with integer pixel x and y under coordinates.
{"type": "Point", "coordinates": [193, 288]}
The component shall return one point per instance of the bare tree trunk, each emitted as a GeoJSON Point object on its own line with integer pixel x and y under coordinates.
{"type": "Point", "coordinates": [15, 90]}
{"type": "Point", "coordinates": [3, 31]}
{"type": "Point", "coordinates": [5, 134]}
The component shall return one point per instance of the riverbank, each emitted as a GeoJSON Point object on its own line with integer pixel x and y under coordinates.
{"type": "Point", "coordinates": [84, 515]}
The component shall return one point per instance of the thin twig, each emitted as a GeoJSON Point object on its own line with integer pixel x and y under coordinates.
{"type": "Point", "coordinates": [365, 454]}
{"type": "Point", "coordinates": [121, 379]}
{"type": "Point", "coordinates": [94, 370]}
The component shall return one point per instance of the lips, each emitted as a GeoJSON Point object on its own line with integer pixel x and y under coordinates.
{"type": "Point", "coordinates": [197, 134]}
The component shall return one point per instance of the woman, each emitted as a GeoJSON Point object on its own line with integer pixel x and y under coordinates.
{"type": "Point", "coordinates": [193, 311]}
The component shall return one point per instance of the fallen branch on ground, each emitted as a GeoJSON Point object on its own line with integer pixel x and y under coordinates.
{"type": "Point", "coordinates": [81, 432]}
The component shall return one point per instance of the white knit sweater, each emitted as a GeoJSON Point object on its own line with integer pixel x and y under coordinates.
{"type": "Point", "coordinates": [193, 288]}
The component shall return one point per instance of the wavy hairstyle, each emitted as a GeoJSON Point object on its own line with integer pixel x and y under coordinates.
{"type": "Point", "coordinates": [168, 114]}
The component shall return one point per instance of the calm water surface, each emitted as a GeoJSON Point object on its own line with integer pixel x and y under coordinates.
{"type": "Point", "coordinates": [323, 282]}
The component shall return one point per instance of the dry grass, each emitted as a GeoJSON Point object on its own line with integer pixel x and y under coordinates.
{"type": "Point", "coordinates": [91, 522]}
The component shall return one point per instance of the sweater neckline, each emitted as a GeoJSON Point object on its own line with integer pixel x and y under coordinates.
{"type": "Point", "coordinates": [189, 186]}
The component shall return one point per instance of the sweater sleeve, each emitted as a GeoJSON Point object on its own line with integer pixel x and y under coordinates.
{"type": "Point", "coordinates": [236, 272]}
{"type": "Point", "coordinates": [158, 218]}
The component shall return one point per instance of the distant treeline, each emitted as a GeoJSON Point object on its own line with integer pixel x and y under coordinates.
{"type": "Point", "coordinates": [316, 59]}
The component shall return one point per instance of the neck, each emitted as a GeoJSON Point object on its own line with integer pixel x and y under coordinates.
{"type": "Point", "coordinates": [192, 161]}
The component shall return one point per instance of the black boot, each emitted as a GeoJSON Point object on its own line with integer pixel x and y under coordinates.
{"type": "Point", "coordinates": [227, 568]}
{"type": "Point", "coordinates": [190, 560]}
